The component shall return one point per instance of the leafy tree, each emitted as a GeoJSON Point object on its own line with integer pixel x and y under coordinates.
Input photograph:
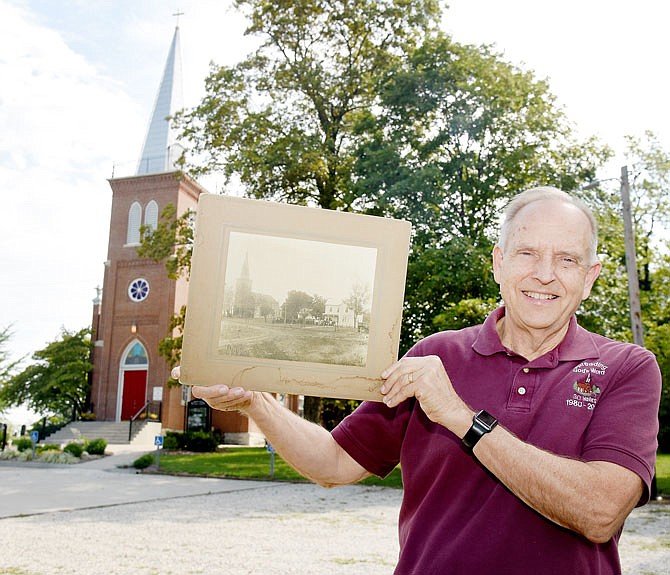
{"type": "Point", "coordinates": [6, 366]}
{"type": "Point", "coordinates": [318, 306]}
{"type": "Point", "coordinates": [171, 241]}
{"type": "Point", "coordinates": [366, 107]}
{"type": "Point", "coordinates": [57, 380]}
{"type": "Point", "coordinates": [458, 131]}
{"type": "Point", "coordinates": [607, 310]}
{"type": "Point", "coordinates": [358, 299]}
{"type": "Point", "coordinates": [296, 305]}
{"type": "Point", "coordinates": [283, 120]}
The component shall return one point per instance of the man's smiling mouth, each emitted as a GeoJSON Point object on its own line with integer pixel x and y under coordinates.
{"type": "Point", "coordinates": [539, 296]}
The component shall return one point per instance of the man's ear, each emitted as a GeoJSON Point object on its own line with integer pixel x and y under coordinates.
{"type": "Point", "coordinates": [497, 262]}
{"type": "Point", "coordinates": [591, 276]}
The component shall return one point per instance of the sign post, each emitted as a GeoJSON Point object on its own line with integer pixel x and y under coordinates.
{"type": "Point", "coordinates": [34, 438]}
{"type": "Point", "coordinates": [158, 442]}
{"type": "Point", "coordinates": [272, 460]}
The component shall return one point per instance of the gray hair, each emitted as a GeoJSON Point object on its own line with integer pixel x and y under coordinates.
{"type": "Point", "coordinates": [523, 199]}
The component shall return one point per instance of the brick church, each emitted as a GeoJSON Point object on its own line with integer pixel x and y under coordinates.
{"type": "Point", "coordinates": [138, 300]}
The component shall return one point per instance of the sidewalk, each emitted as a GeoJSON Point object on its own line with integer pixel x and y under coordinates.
{"type": "Point", "coordinates": [30, 489]}
{"type": "Point", "coordinates": [96, 518]}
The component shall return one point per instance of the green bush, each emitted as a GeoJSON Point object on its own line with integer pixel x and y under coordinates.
{"type": "Point", "coordinates": [8, 454]}
{"type": "Point", "coordinates": [60, 457]}
{"type": "Point", "coordinates": [144, 461]}
{"type": "Point", "coordinates": [201, 442]}
{"type": "Point", "coordinates": [26, 455]}
{"type": "Point", "coordinates": [22, 443]}
{"type": "Point", "coordinates": [198, 441]}
{"type": "Point", "coordinates": [170, 442]}
{"type": "Point", "coordinates": [48, 447]}
{"type": "Point", "coordinates": [97, 446]}
{"type": "Point", "coordinates": [174, 440]}
{"type": "Point", "coordinates": [75, 449]}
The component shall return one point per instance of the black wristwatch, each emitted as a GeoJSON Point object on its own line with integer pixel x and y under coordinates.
{"type": "Point", "coordinates": [482, 423]}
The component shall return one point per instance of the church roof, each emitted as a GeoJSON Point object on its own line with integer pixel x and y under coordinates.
{"type": "Point", "coordinates": [161, 148]}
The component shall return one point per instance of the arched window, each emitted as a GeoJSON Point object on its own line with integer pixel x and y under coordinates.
{"type": "Point", "coordinates": [135, 356]}
{"type": "Point", "coordinates": [151, 215]}
{"type": "Point", "coordinates": [134, 222]}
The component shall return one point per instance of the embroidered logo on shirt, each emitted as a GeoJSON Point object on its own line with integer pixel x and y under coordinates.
{"type": "Point", "coordinates": [586, 392]}
{"type": "Point", "coordinates": [586, 388]}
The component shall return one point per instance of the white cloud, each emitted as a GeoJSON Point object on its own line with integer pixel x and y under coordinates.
{"type": "Point", "coordinates": [63, 123]}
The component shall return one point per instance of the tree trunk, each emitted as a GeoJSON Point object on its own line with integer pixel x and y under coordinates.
{"type": "Point", "coordinates": [313, 409]}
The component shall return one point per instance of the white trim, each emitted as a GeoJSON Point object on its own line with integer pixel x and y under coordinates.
{"type": "Point", "coordinates": [122, 370]}
{"type": "Point", "coordinates": [134, 222]}
{"type": "Point", "coordinates": [151, 215]}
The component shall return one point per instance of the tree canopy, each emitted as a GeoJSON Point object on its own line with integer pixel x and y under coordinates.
{"type": "Point", "coordinates": [6, 365]}
{"type": "Point", "coordinates": [607, 310]}
{"type": "Point", "coordinates": [283, 120]}
{"type": "Point", "coordinates": [57, 381]}
{"type": "Point", "coordinates": [368, 107]}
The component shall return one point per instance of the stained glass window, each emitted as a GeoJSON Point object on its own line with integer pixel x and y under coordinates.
{"type": "Point", "coordinates": [138, 289]}
{"type": "Point", "coordinates": [137, 355]}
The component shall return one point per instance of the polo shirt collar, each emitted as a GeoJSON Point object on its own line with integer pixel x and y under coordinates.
{"type": "Point", "coordinates": [577, 344]}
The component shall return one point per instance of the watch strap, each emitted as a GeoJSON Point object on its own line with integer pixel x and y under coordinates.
{"type": "Point", "coordinates": [482, 423]}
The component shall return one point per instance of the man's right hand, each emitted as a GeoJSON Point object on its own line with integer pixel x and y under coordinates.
{"type": "Point", "coordinates": [221, 397]}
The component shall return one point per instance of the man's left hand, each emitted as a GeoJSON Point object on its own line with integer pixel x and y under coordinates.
{"type": "Point", "coordinates": [426, 379]}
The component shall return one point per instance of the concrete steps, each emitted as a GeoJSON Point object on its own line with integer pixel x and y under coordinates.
{"type": "Point", "coordinates": [113, 432]}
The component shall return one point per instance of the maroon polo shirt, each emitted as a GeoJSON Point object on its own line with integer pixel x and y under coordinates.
{"type": "Point", "coordinates": [590, 398]}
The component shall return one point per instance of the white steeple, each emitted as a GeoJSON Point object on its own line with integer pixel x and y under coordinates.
{"type": "Point", "coordinates": [161, 149]}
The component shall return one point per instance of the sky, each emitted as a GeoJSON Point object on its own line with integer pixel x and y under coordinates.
{"type": "Point", "coordinates": [78, 80]}
{"type": "Point", "coordinates": [279, 264]}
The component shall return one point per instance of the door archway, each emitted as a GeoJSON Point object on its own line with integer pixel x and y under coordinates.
{"type": "Point", "coordinates": [133, 372]}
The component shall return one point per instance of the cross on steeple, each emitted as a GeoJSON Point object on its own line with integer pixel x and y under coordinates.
{"type": "Point", "coordinates": [177, 14]}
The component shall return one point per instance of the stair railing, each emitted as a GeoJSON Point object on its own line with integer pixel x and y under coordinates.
{"type": "Point", "coordinates": [135, 417]}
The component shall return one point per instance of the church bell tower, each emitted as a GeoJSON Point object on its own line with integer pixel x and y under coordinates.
{"type": "Point", "coordinates": [138, 299]}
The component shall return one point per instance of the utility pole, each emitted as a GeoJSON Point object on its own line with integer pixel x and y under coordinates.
{"type": "Point", "coordinates": [633, 282]}
{"type": "Point", "coordinates": [631, 264]}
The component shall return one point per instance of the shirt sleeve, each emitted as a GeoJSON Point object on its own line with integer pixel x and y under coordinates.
{"type": "Point", "coordinates": [373, 435]}
{"type": "Point", "coordinates": [624, 426]}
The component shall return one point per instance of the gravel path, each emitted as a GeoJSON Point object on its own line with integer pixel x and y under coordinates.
{"type": "Point", "coordinates": [273, 529]}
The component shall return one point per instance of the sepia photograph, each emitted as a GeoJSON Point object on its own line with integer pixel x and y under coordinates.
{"type": "Point", "coordinates": [297, 300]}
{"type": "Point", "coordinates": [293, 299]}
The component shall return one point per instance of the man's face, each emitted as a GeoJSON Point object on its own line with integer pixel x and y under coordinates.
{"type": "Point", "coordinates": [545, 271]}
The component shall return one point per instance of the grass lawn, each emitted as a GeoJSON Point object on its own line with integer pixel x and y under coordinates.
{"type": "Point", "coordinates": [254, 463]}
{"type": "Point", "coordinates": [247, 463]}
{"type": "Point", "coordinates": [663, 474]}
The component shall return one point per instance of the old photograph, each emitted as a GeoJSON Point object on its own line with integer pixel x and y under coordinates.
{"type": "Point", "coordinates": [293, 299]}
{"type": "Point", "coordinates": [297, 300]}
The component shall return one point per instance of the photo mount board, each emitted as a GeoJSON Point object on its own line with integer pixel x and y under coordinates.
{"type": "Point", "coordinates": [314, 251]}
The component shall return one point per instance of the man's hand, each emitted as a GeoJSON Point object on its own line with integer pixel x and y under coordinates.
{"type": "Point", "coordinates": [426, 379]}
{"type": "Point", "coordinates": [221, 397]}
{"type": "Point", "coordinates": [306, 446]}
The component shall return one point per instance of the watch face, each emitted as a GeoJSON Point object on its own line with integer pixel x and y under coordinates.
{"type": "Point", "coordinates": [138, 289]}
{"type": "Point", "coordinates": [486, 418]}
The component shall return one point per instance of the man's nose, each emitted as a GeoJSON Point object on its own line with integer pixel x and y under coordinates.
{"type": "Point", "coordinates": [545, 270]}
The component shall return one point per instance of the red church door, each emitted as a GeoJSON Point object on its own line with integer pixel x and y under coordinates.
{"type": "Point", "coordinates": [134, 392]}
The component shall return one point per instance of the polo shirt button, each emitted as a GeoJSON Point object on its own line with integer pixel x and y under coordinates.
{"type": "Point", "coordinates": [526, 370]}
{"type": "Point", "coordinates": [521, 391]}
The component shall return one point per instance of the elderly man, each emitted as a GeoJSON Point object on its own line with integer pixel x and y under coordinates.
{"type": "Point", "coordinates": [524, 442]}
